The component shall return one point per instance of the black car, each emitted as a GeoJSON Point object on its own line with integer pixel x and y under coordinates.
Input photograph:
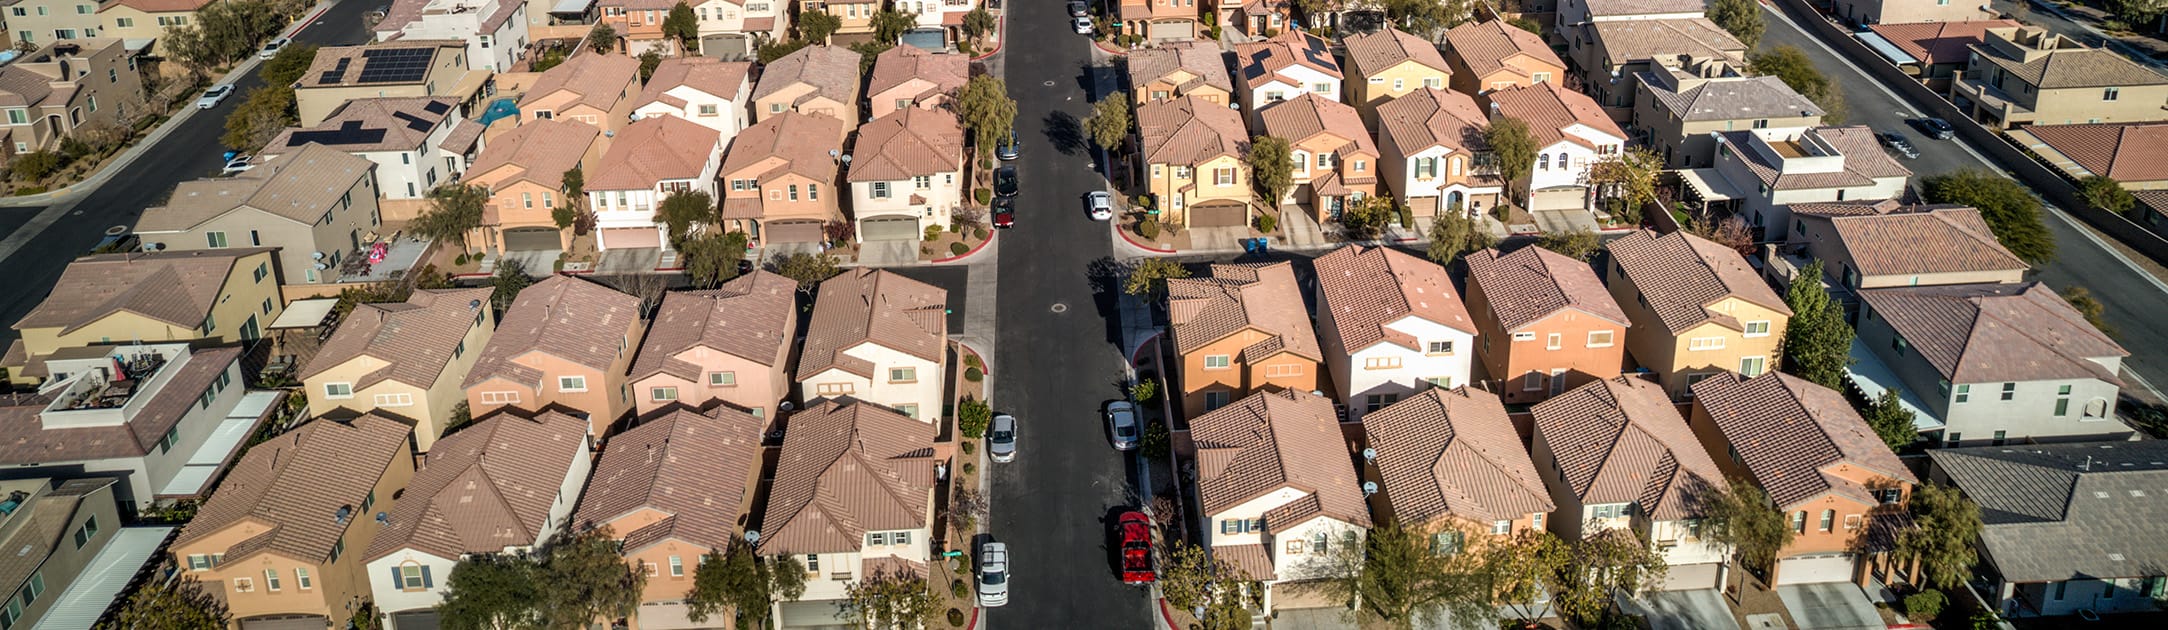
{"type": "Point", "coordinates": [1899, 143]}
{"type": "Point", "coordinates": [1076, 9]}
{"type": "Point", "coordinates": [1937, 128]}
{"type": "Point", "coordinates": [1004, 212]}
{"type": "Point", "coordinates": [1005, 181]}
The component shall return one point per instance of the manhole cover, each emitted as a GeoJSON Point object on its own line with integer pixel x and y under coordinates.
{"type": "Point", "coordinates": [1047, 83]}
{"type": "Point", "coordinates": [1059, 308]}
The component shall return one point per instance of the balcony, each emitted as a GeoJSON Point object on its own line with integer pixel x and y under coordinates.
{"type": "Point", "coordinates": [2003, 108]}
{"type": "Point", "coordinates": [106, 385]}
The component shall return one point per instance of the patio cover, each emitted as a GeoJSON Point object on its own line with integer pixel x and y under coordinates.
{"type": "Point", "coordinates": [308, 313]}
{"type": "Point", "coordinates": [1883, 47]}
{"type": "Point", "coordinates": [1709, 185]}
{"type": "Point", "coordinates": [1872, 378]}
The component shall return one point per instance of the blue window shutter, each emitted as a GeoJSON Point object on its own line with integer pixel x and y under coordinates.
{"type": "Point", "coordinates": [426, 582]}
{"type": "Point", "coordinates": [397, 581]}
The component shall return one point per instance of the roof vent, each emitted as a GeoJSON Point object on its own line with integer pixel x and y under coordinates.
{"type": "Point", "coordinates": [345, 511]}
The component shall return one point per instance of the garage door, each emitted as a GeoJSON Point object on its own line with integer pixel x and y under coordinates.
{"type": "Point", "coordinates": [532, 239]}
{"type": "Point", "coordinates": [630, 238]}
{"type": "Point", "coordinates": [1569, 198]}
{"type": "Point", "coordinates": [1219, 214]}
{"type": "Point", "coordinates": [794, 232]}
{"type": "Point", "coordinates": [889, 228]}
{"type": "Point", "coordinates": [425, 619]}
{"type": "Point", "coordinates": [1688, 577]}
{"type": "Point", "coordinates": [1834, 567]}
{"type": "Point", "coordinates": [1173, 29]}
{"type": "Point", "coordinates": [286, 622]}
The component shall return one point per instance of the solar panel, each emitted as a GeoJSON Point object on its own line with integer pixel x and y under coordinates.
{"type": "Point", "coordinates": [437, 107]}
{"type": "Point", "coordinates": [413, 122]}
{"type": "Point", "coordinates": [336, 73]}
{"type": "Point", "coordinates": [348, 133]}
{"type": "Point", "coordinates": [395, 65]}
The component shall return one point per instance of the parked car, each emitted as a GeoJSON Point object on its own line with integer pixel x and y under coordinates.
{"type": "Point", "coordinates": [1004, 212]}
{"type": "Point", "coordinates": [1937, 128]}
{"type": "Point", "coordinates": [238, 164]}
{"type": "Point", "coordinates": [1100, 204]}
{"type": "Point", "coordinates": [993, 574]}
{"type": "Point", "coordinates": [1134, 530]}
{"type": "Point", "coordinates": [1899, 143]}
{"type": "Point", "coordinates": [213, 96]}
{"type": "Point", "coordinates": [1008, 148]}
{"type": "Point", "coordinates": [1001, 438]}
{"type": "Point", "coordinates": [272, 49]}
{"type": "Point", "coordinates": [1083, 25]}
{"type": "Point", "coordinates": [1122, 424]}
{"type": "Point", "coordinates": [1005, 181]}
{"type": "Point", "coordinates": [1078, 9]}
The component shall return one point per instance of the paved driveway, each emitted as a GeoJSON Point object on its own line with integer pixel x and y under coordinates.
{"type": "Point", "coordinates": [1701, 609]}
{"type": "Point", "coordinates": [1830, 606]}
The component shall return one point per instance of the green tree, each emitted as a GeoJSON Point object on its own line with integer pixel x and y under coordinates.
{"type": "Point", "coordinates": [889, 25]}
{"type": "Point", "coordinates": [1272, 167]}
{"type": "Point", "coordinates": [1150, 276]}
{"type": "Point", "coordinates": [2138, 12]}
{"type": "Point", "coordinates": [869, 52]}
{"type": "Point", "coordinates": [737, 579]}
{"type": "Point", "coordinates": [602, 38]}
{"type": "Point", "coordinates": [289, 64]}
{"type": "Point", "coordinates": [1399, 576]}
{"type": "Point", "coordinates": [1891, 421]}
{"type": "Point", "coordinates": [1366, 218]}
{"type": "Point", "coordinates": [649, 61]}
{"type": "Point", "coordinates": [582, 578]}
{"type": "Point", "coordinates": [2082, 299]}
{"type": "Point", "coordinates": [1578, 244]}
{"type": "Point", "coordinates": [1454, 234]}
{"type": "Point", "coordinates": [266, 111]}
{"type": "Point", "coordinates": [808, 269]}
{"type": "Point", "coordinates": [1522, 569]}
{"type": "Point", "coordinates": [1109, 122]}
{"type": "Point", "coordinates": [684, 211]}
{"type": "Point", "coordinates": [987, 110]}
{"type": "Point", "coordinates": [222, 32]}
{"type": "Point", "coordinates": [1527, 24]}
{"type": "Point", "coordinates": [1514, 148]}
{"type": "Point", "coordinates": [1629, 177]}
{"type": "Point", "coordinates": [683, 25]}
{"type": "Point", "coordinates": [1604, 565]}
{"type": "Point", "coordinates": [1817, 341]}
{"type": "Point", "coordinates": [454, 210]}
{"type": "Point", "coordinates": [1426, 17]}
{"type": "Point", "coordinates": [2105, 193]}
{"type": "Point", "coordinates": [182, 605]}
{"type": "Point", "coordinates": [548, 58]}
{"type": "Point", "coordinates": [1742, 18]}
{"type": "Point", "coordinates": [1742, 517]}
{"type": "Point", "coordinates": [772, 51]}
{"type": "Point", "coordinates": [712, 259]}
{"type": "Point", "coordinates": [1189, 578]}
{"type": "Point", "coordinates": [1946, 526]}
{"type": "Point", "coordinates": [890, 599]}
{"type": "Point", "coordinates": [2010, 210]}
{"type": "Point", "coordinates": [1791, 65]}
{"type": "Point", "coordinates": [816, 26]}
{"type": "Point", "coordinates": [978, 23]}
{"type": "Point", "coordinates": [490, 592]}
{"type": "Point", "coordinates": [511, 278]}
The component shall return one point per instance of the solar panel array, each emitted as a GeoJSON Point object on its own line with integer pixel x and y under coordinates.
{"type": "Point", "coordinates": [348, 133]}
{"type": "Point", "coordinates": [395, 65]}
{"type": "Point", "coordinates": [413, 122]}
{"type": "Point", "coordinates": [334, 75]}
{"type": "Point", "coordinates": [437, 107]}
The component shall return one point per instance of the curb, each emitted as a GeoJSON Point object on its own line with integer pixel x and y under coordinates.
{"type": "Point", "coordinates": [1003, 27]}
{"type": "Point", "coordinates": [985, 368]}
{"type": "Point", "coordinates": [1166, 614]}
{"type": "Point", "coordinates": [990, 236]}
{"type": "Point", "coordinates": [974, 622]}
{"type": "Point", "coordinates": [1133, 242]}
{"type": "Point", "coordinates": [1147, 341]}
{"type": "Point", "coordinates": [1111, 51]}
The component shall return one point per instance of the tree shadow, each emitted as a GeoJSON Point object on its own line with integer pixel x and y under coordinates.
{"type": "Point", "coordinates": [1065, 131]}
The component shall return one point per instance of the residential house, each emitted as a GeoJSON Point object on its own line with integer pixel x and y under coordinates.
{"type": "Point", "coordinates": [907, 173]}
{"type": "Point", "coordinates": [1864, 246]}
{"type": "Point", "coordinates": [852, 497]}
{"type": "Point", "coordinates": [672, 489]}
{"type": "Point", "coordinates": [1683, 109]}
{"type": "Point", "coordinates": [495, 31]}
{"type": "Point", "coordinates": [344, 73]}
{"type": "Point", "coordinates": [1616, 455]}
{"type": "Point", "coordinates": [1495, 55]}
{"type": "Point", "coordinates": [68, 88]}
{"type": "Point", "coordinates": [1159, 20]}
{"type": "Point", "coordinates": [416, 142]}
{"type": "Point", "coordinates": [1388, 64]}
{"type": "Point", "coordinates": [2152, 209]}
{"type": "Point", "coordinates": [1240, 330]}
{"type": "Point", "coordinates": [141, 19]}
{"type": "Point", "coordinates": [1583, 12]}
{"type": "Point", "coordinates": [1450, 460]}
{"type": "Point", "coordinates": [592, 88]}
{"type": "Point", "coordinates": [61, 531]}
{"type": "Point", "coordinates": [406, 358]}
{"type": "Point", "coordinates": [908, 76]}
{"type": "Point", "coordinates": [1176, 70]}
{"type": "Point", "coordinates": [1760, 173]}
{"type": "Point", "coordinates": [1571, 132]}
{"type": "Point", "coordinates": [316, 206]}
{"type": "Point", "coordinates": [553, 350]}
{"type": "Point", "coordinates": [2056, 547]}
{"type": "Point", "coordinates": [1195, 152]}
{"type": "Point", "coordinates": [880, 338]}
{"type": "Point", "coordinates": [1284, 67]}
{"type": "Point", "coordinates": [735, 29]}
{"type": "Point", "coordinates": [524, 170]}
{"type": "Point", "coordinates": [731, 343]}
{"type": "Point", "coordinates": [1612, 54]}
{"type": "Point", "coordinates": [818, 80]}
{"type": "Point", "coordinates": [1867, 12]}
{"type": "Point", "coordinates": [1841, 489]}
{"type": "Point", "coordinates": [1546, 323]}
{"type": "Point", "coordinates": [160, 419]}
{"type": "Point", "coordinates": [1996, 362]}
{"type": "Point", "coordinates": [1276, 491]}
{"type": "Point", "coordinates": [1393, 326]}
{"type": "Point", "coordinates": [1697, 309]}
{"type": "Point", "coordinates": [148, 298]}
{"type": "Point", "coordinates": [710, 92]}
{"type": "Point", "coordinates": [2025, 76]}
{"type": "Point", "coordinates": [776, 170]}
{"type": "Point", "coordinates": [2135, 155]}
{"type": "Point", "coordinates": [283, 538]}
{"type": "Point", "coordinates": [854, 18]}
{"type": "Point", "coordinates": [39, 22]}
{"type": "Point", "coordinates": [1336, 164]}
{"type": "Point", "coordinates": [1932, 51]}
{"type": "Point", "coordinates": [639, 24]}
{"type": "Point", "coordinates": [942, 17]}
{"type": "Point", "coordinates": [1432, 154]}
{"type": "Point", "coordinates": [501, 486]}
{"type": "Point", "coordinates": [651, 160]}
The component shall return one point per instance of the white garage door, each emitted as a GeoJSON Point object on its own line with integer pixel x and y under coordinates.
{"type": "Point", "coordinates": [1172, 29]}
{"type": "Point", "coordinates": [1570, 198]}
{"type": "Point", "coordinates": [1833, 567]}
{"type": "Point", "coordinates": [889, 228]}
{"type": "Point", "coordinates": [285, 622]}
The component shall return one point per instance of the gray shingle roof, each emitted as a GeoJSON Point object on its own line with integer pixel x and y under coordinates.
{"type": "Point", "coordinates": [2064, 511]}
{"type": "Point", "coordinates": [1979, 333]}
{"type": "Point", "coordinates": [1729, 98]}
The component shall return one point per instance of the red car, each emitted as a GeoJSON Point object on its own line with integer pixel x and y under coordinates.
{"type": "Point", "coordinates": [1135, 530]}
{"type": "Point", "coordinates": [1004, 212]}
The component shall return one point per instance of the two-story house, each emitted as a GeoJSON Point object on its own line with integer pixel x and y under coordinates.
{"type": "Point", "coordinates": [65, 88]}
{"type": "Point", "coordinates": [502, 486]}
{"type": "Point", "coordinates": [317, 206]}
{"type": "Point", "coordinates": [1616, 455]}
{"type": "Point", "coordinates": [672, 489]}
{"type": "Point", "coordinates": [1283, 67]}
{"type": "Point", "coordinates": [1173, 71]}
{"type": "Point", "coordinates": [1697, 309]}
{"type": "Point", "coordinates": [564, 344]}
{"type": "Point", "coordinates": [1495, 55]}
{"type": "Point", "coordinates": [735, 29]}
{"type": "Point", "coordinates": [1683, 109]}
{"type": "Point", "coordinates": [1336, 164]}
{"type": "Point", "coordinates": [638, 24]}
{"type": "Point", "coordinates": [142, 19]}
{"type": "Point", "coordinates": [1864, 12]}
{"type": "Point", "coordinates": [524, 170]}
{"type": "Point", "coordinates": [1997, 363]}
{"type": "Point", "coordinates": [816, 80]}
{"type": "Point", "coordinates": [1545, 322]}
{"type": "Point", "coordinates": [1275, 489]}
{"type": "Point", "coordinates": [283, 538]}
{"type": "Point", "coordinates": [1450, 460]}
{"type": "Point", "coordinates": [405, 358]}
{"type": "Point", "coordinates": [1583, 12]}
{"type": "Point", "coordinates": [2051, 549]}
{"type": "Point", "coordinates": [908, 76]}
{"type": "Point", "coordinates": [401, 67]}
{"type": "Point", "coordinates": [854, 18]}
{"type": "Point", "coordinates": [773, 176]}
{"type": "Point", "coordinates": [1820, 464]}
{"type": "Point", "coordinates": [1865, 246]}
{"type": "Point", "coordinates": [1159, 20]}
{"type": "Point", "coordinates": [1760, 173]}
{"type": "Point", "coordinates": [942, 17]}
{"type": "Point", "coordinates": [710, 92]}
{"type": "Point", "coordinates": [1392, 326]}
{"type": "Point", "coordinates": [2024, 75]}
{"type": "Point", "coordinates": [732, 343]}
{"type": "Point", "coordinates": [1191, 152]}
{"type": "Point", "coordinates": [1571, 132]}
{"type": "Point", "coordinates": [63, 531]}
{"type": "Point", "coordinates": [1432, 154]}
{"type": "Point", "coordinates": [495, 31]}
{"type": "Point", "coordinates": [415, 142]}
{"type": "Point", "coordinates": [592, 88]}
{"type": "Point", "coordinates": [1239, 330]}
{"type": "Point", "coordinates": [1932, 51]}
{"type": "Point", "coordinates": [877, 337]}
{"type": "Point", "coordinates": [1388, 64]}
{"type": "Point", "coordinates": [35, 23]}
{"type": "Point", "coordinates": [906, 173]}
{"type": "Point", "coordinates": [1613, 53]}
{"type": "Point", "coordinates": [226, 295]}
{"type": "Point", "coordinates": [651, 160]}
{"type": "Point", "coordinates": [852, 496]}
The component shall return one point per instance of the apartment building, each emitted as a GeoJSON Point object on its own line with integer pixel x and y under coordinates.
{"type": "Point", "coordinates": [1393, 326]}
{"type": "Point", "coordinates": [564, 344]}
{"type": "Point", "coordinates": [1545, 322]}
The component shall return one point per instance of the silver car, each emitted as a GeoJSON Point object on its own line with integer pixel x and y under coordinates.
{"type": "Point", "coordinates": [213, 96]}
{"type": "Point", "coordinates": [1122, 424]}
{"type": "Point", "coordinates": [1100, 204]}
{"type": "Point", "coordinates": [993, 574]}
{"type": "Point", "coordinates": [1001, 439]}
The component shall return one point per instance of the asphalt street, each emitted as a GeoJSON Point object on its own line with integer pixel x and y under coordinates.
{"type": "Point", "coordinates": [189, 152]}
{"type": "Point", "coordinates": [1057, 361]}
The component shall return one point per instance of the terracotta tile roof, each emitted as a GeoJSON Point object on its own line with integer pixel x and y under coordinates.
{"type": "Point", "coordinates": [572, 319]}
{"type": "Point", "coordinates": [1430, 117]}
{"type": "Point", "coordinates": [2155, 199]}
{"type": "Point", "coordinates": [1628, 41]}
{"type": "Point", "coordinates": [1261, 62]}
{"type": "Point", "coordinates": [1533, 283]}
{"type": "Point", "coordinates": [485, 487]}
{"type": "Point", "coordinates": [695, 467]}
{"type": "Point", "coordinates": [1549, 110]}
{"type": "Point", "coordinates": [1274, 440]}
{"type": "Point", "coordinates": [542, 150]}
{"type": "Point", "coordinates": [1190, 130]}
{"type": "Point", "coordinates": [1603, 8]}
{"type": "Point", "coordinates": [1864, 159]}
{"type": "Point", "coordinates": [748, 317]}
{"type": "Point", "coordinates": [1854, 208]}
{"type": "Point", "coordinates": [1237, 296]}
{"type": "Point", "coordinates": [831, 70]}
{"type": "Point", "coordinates": [1791, 433]}
{"type": "Point", "coordinates": [1382, 49]}
{"type": "Point", "coordinates": [1252, 559]}
{"type": "Point", "coordinates": [177, 288]}
{"type": "Point", "coordinates": [1304, 117]}
{"type": "Point", "coordinates": [295, 485]}
{"type": "Point", "coordinates": [715, 77]}
{"type": "Point", "coordinates": [1938, 42]}
{"type": "Point", "coordinates": [846, 468]}
{"type": "Point", "coordinates": [414, 338]}
{"type": "Point", "coordinates": [25, 440]}
{"type": "Point", "coordinates": [1976, 333]}
{"type": "Point", "coordinates": [1486, 46]}
{"type": "Point", "coordinates": [371, 124]}
{"type": "Point", "coordinates": [2070, 66]}
{"type": "Point", "coordinates": [873, 306]}
{"type": "Point", "coordinates": [796, 143]}
{"type": "Point", "coordinates": [324, 71]}
{"type": "Point", "coordinates": [907, 143]}
{"type": "Point", "coordinates": [1454, 453]}
{"type": "Point", "coordinates": [1620, 440]}
{"type": "Point", "coordinates": [1206, 64]}
{"type": "Point", "coordinates": [1369, 288]}
{"type": "Point", "coordinates": [653, 150]}
{"type": "Point", "coordinates": [1738, 98]}
{"type": "Point", "coordinates": [1890, 244]}
{"type": "Point", "coordinates": [948, 72]}
{"type": "Point", "coordinates": [302, 186]}
{"type": "Point", "coordinates": [1681, 275]}
{"type": "Point", "coordinates": [589, 77]}
{"type": "Point", "coordinates": [2136, 152]}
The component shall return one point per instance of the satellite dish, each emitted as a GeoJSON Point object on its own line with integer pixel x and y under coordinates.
{"type": "Point", "coordinates": [1370, 454]}
{"type": "Point", "coordinates": [322, 266]}
{"type": "Point", "coordinates": [1370, 488]}
{"type": "Point", "coordinates": [752, 536]}
{"type": "Point", "coordinates": [474, 303]}
{"type": "Point", "coordinates": [846, 160]}
{"type": "Point", "coordinates": [316, 255]}
{"type": "Point", "coordinates": [833, 153]}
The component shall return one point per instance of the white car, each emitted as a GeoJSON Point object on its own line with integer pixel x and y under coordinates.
{"type": "Point", "coordinates": [1083, 25]}
{"type": "Point", "coordinates": [1100, 204]}
{"type": "Point", "coordinates": [272, 49]}
{"type": "Point", "coordinates": [238, 164]}
{"type": "Point", "coordinates": [212, 97]}
{"type": "Point", "coordinates": [993, 574]}
{"type": "Point", "coordinates": [1001, 439]}
{"type": "Point", "coordinates": [1122, 424]}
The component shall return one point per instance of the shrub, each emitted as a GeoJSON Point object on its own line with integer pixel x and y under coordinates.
{"type": "Point", "coordinates": [971, 360]}
{"type": "Point", "coordinates": [1144, 391]}
{"type": "Point", "coordinates": [979, 232]}
{"type": "Point", "coordinates": [969, 468]}
{"type": "Point", "coordinates": [968, 446]}
{"type": "Point", "coordinates": [984, 195]}
{"type": "Point", "coordinates": [958, 249]}
{"type": "Point", "coordinates": [972, 415]}
{"type": "Point", "coordinates": [1925, 604]}
{"type": "Point", "coordinates": [961, 590]}
{"type": "Point", "coordinates": [1407, 216]}
{"type": "Point", "coordinates": [461, 259]}
{"type": "Point", "coordinates": [933, 232]}
{"type": "Point", "coordinates": [1148, 228]}
{"type": "Point", "coordinates": [956, 617]}
{"type": "Point", "coordinates": [1156, 439]}
{"type": "Point", "coordinates": [974, 374]}
{"type": "Point", "coordinates": [1141, 202]}
{"type": "Point", "coordinates": [1267, 223]}
{"type": "Point", "coordinates": [36, 165]}
{"type": "Point", "coordinates": [964, 46]}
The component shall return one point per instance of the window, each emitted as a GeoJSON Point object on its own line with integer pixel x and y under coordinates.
{"type": "Point", "coordinates": [1757, 329]}
{"type": "Point", "coordinates": [500, 398]}
{"type": "Point", "coordinates": [812, 563]}
{"type": "Point", "coordinates": [1295, 546]}
{"type": "Point", "coordinates": [1554, 341]}
{"type": "Point", "coordinates": [908, 410]}
{"type": "Point", "coordinates": [271, 580]}
{"type": "Point", "coordinates": [1501, 528]}
{"type": "Point", "coordinates": [394, 400]}
{"type": "Point", "coordinates": [662, 394]}
{"type": "Point", "coordinates": [1223, 177]}
{"type": "Point", "coordinates": [198, 562]}
{"type": "Point", "coordinates": [1954, 440]}
{"type": "Point", "coordinates": [2111, 94]}
{"type": "Point", "coordinates": [903, 375]}
{"type": "Point", "coordinates": [1608, 510]}
{"type": "Point", "coordinates": [2000, 436]}
{"type": "Point", "coordinates": [1829, 520]}
{"type": "Point", "coordinates": [1540, 77]}
{"type": "Point", "coordinates": [1799, 521]}
{"type": "Point", "coordinates": [1699, 344]}
{"type": "Point", "coordinates": [677, 566]}
{"type": "Point", "coordinates": [1432, 82]}
{"type": "Point", "coordinates": [1441, 347]}
{"type": "Point", "coordinates": [571, 383]}
{"type": "Point", "coordinates": [835, 389]}
{"type": "Point", "coordinates": [1524, 336]}
{"type": "Point", "coordinates": [1381, 363]}
{"type": "Point", "coordinates": [411, 577]}
{"type": "Point", "coordinates": [1751, 367]}
{"type": "Point", "coordinates": [2062, 402]}
{"type": "Point", "coordinates": [338, 390]}
{"type": "Point", "coordinates": [1214, 400]}
{"type": "Point", "coordinates": [723, 379]}
{"type": "Point", "coordinates": [1532, 381]}
{"type": "Point", "coordinates": [1445, 382]}
{"type": "Point", "coordinates": [880, 190]}
{"type": "Point", "coordinates": [1374, 402]}
{"type": "Point", "coordinates": [1216, 362]}
{"type": "Point", "coordinates": [1400, 84]}
{"type": "Point", "coordinates": [1282, 371]}
{"type": "Point", "coordinates": [877, 539]}
{"type": "Point", "coordinates": [899, 538]}
{"type": "Point", "coordinates": [18, 117]}
{"type": "Point", "coordinates": [2009, 391]}
{"type": "Point", "coordinates": [214, 240]}
{"type": "Point", "coordinates": [1964, 393]}
{"type": "Point", "coordinates": [1599, 338]}
{"type": "Point", "coordinates": [1445, 543]}
{"type": "Point", "coordinates": [89, 531]}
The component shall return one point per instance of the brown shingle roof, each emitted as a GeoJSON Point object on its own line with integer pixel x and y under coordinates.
{"type": "Point", "coordinates": [1237, 296]}
{"type": "Point", "coordinates": [1629, 41]}
{"type": "Point", "coordinates": [746, 317]}
{"type": "Point", "coordinates": [1261, 62]}
{"type": "Point", "coordinates": [653, 150]}
{"type": "Point", "coordinates": [873, 306]}
{"type": "Point", "coordinates": [707, 74]}
{"type": "Point", "coordinates": [800, 143]}
{"type": "Point", "coordinates": [1791, 433]}
{"type": "Point", "coordinates": [589, 77]}
{"type": "Point", "coordinates": [414, 338]}
{"type": "Point", "coordinates": [177, 288]}
{"type": "Point", "coordinates": [2130, 153]}
{"type": "Point", "coordinates": [947, 71]}
{"type": "Point", "coordinates": [1891, 243]}
{"type": "Point", "coordinates": [1454, 453]}
{"type": "Point", "coordinates": [906, 143]}
{"type": "Point", "coordinates": [485, 487]}
{"type": "Point", "coordinates": [1430, 117]}
{"type": "Point", "coordinates": [1975, 333]}
{"type": "Point", "coordinates": [1620, 440]}
{"type": "Point", "coordinates": [1486, 46]}
{"type": "Point", "coordinates": [1205, 62]}
{"type": "Point", "coordinates": [1938, 42]}
{"type": "Point", "coordinates": [1304, 117]}
{"type": "Point", "coordinates": [302, 186]}
{"type": "Point", "coordinates": [2070, 66]}
{"type": "Point", "coordinates": [1251, 559]}
{"type": "Point", "coordinates": [1367, 288]}
{"type": "Point", "coordinates": [1533, 283]}
{"type": "Point", "coordinates": [569, 318]}
{"type": "Point", "coordinates": [1190, 130]}
{"type": "Point", "coordinates": [1681, 275]}
{"type": "Point", "coordinates": [846, 468]}
{"type": "Point", "coordinates": [542, 149]}
{"type": "Point", "coordinates": [1549, 110]}
{"type": "Point", "coordinates": [296, 485]}
{"type": "Point", "coordinates": [25, 440]}
{"type": "Point", "coordinates": [692, 466]}
{"type": "Point", "coordinates": [1380, 50]}
{"type": "Point", "coordinates": [831, 70]}
{"type": "Point", "coordinates": [1274, 440]}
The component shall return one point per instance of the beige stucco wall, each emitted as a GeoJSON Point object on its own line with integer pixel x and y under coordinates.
{"type": "Point", "coordinates": [605, 399]}
{"type": "Point", "coordinates": [1367, 89]}
{"type": "Point", "coordinates": [432, 405]}
{"type": "Point", "coordinates": [1671, 357]}
{"type": "Point", "coordinates": [239, 299]}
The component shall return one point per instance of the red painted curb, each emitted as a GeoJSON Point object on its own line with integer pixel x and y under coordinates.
{"type": "Point", "coordinates": [1166, 614]}
{"type": "Point", "coordinates": [990, 236]}
{"type": "Point", "coordinates": [984, 368]}
{"type": "Point", "coordinates": [974, 622]}
{"type": "Point", "coordinates": [1140, 347]}
{"type": "Point", "coordinates": [1110, 51]}
{"type": "Point", "coordinates": [306, 22]}
{"type": "Point", "coordinates": [1004, 28]}
{"type": "Point", "coordinates": [1125, 236]}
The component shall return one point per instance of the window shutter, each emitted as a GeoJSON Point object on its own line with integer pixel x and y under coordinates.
{"type": "Point", "coordinates": [426, 581]}
{"type": "Point", "coordinates": [397, 580]}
